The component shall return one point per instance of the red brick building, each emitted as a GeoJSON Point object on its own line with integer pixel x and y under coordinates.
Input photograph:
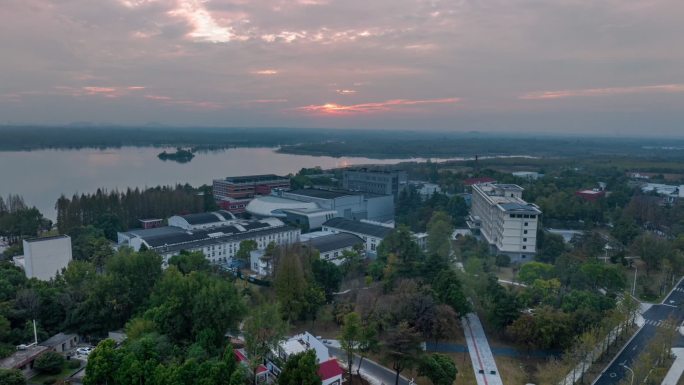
{"type": "Point", "coordinates": [234, 193]}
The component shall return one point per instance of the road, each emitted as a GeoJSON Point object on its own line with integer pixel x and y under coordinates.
{"type": "Point", "coordinates": [377, 371]}
{"type": "Point", "coordinates": [655, 317]}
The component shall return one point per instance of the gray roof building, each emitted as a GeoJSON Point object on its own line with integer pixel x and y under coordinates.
{"type": "Point", "coordinates": [334, 242]}
{"type": "Point", "coordinates": [358, 227]}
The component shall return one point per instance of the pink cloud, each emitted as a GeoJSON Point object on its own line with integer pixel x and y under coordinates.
{"type": "Point", "coordinates": [345, 91]}
{"type": "Point", "coordinates": [389, 105]}
{"type": "Point", "coordinates": [265, 101]}
{"type": "Point", "coordinates": [589, 92]}
{"type": "Point", "coordinates": [265, 72]}
{"type": "Point", "coordinates": [204, 25]}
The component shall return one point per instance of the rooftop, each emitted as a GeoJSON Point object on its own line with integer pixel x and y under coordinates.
{"type": "Point", "coordinates": [322, 194]}
{"type": "Point", "coordinates": [520, 207]}
{"type": "Point", "coordinates": [329, 369]}
{"type": "Point", "coordinates": [254, 178]}
{"type": "Point", "coordinates": [22, 357]}
{"type": "Point", "coordinates": [480, 180]}
{"type": "Point", "coordinates": [332, 242]}
{"type": "Point", "coordinates": [203, 218]}
{"type": "Point", "coordinates": [57, 339]}
{"type": "Point", "coordinates": [43, 239]}
{"type": "Point", "coordinates": [352, 226]}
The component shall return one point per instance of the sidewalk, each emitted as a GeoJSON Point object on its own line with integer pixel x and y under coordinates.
{"type": "Point", "coordinates": [481, 355]}
{"type": "Point", "coordinates": [675, 373]}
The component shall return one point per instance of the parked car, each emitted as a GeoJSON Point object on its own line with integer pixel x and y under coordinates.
{"type": "Point", "coordinates": [84, 351]}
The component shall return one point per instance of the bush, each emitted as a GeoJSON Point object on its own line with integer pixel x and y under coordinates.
{"type": "Point", "coordinates": [73, 364]}
{"type": "Point", "coordinates": [11, 377]}
{"type": "Point", "coordinates": [49, 381]}
{"type": "Point", "coordinates": [49, 363]}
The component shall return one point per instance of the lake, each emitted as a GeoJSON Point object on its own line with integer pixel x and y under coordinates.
{"type": "Point", "coordinates": [42, 176]}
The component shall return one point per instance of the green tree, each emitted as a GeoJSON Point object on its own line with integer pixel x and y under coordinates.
{"type": "Point", "coordinates": [532, 271]}
{"type": "Point", "coordinates": [350, 337]}
{"type": "Point", "coordinates": [12, 377]}
{"type": "Point", "coordinates": [290, 283]}
{"type": "Point", "coordinates": [300, 369]}
{"type": "Point", "coordinates": [439, 368]}
{"type": "Point", "coordinates": [449, 290]}
{"type": "Point", "coordinates": [264, 329]}
{"type": "Point", "coordinates": [49, 363]}
{"type": "Point", "coordinates": [439, 231]}
{"type": "Point", "coordinates": [187, 262]}
{"type": "Point", "coordinates": [102, 365]}
{"type": "Point", "coordinates": [246, 246]}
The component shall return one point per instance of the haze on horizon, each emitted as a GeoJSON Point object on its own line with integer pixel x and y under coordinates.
{"type": "Point", "coordinates": [612, 67]}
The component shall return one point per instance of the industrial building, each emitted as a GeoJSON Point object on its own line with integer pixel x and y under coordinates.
{"type": "Point", "coordinates": [218, 244]}
{"type": "Point", "coordinates": [380, 182]}
{"type": "Point", "coordinates": [234, 193]}
{"type": "Point", "coordinates": [371, 234]}
{"type": "Point", "coordinates": [45, 257]}
{"type": "Point", "coordinates": [505, 220]}
{"type": "Point", "coordinates": [311, 206]}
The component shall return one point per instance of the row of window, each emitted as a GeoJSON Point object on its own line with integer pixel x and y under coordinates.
{"type": "Point", "coordinates": [530, 216]}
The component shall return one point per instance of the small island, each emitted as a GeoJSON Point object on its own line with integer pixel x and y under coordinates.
{"type": "Point", "coordinates": [180, 156]}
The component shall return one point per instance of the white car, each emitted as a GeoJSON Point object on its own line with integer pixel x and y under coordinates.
{"type": "Point", "coordinates": [84, 351]}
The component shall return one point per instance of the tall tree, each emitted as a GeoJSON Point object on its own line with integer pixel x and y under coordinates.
{"type": "Point", "coordinates": [300, 369]}
{"type": "Point", "coordinates": [402, 349]}
{"type": "Point", "coordinates": [264, 329]}
{"type": "Point", "coordinates": [350, 337]}
{"type": "Point", "coordinates": [290, 283]}
{"type": "Point", "coordinates": [439, 234]}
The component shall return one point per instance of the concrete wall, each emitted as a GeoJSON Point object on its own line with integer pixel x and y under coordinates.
{"type": "Point", "coordinates": [43, 259]}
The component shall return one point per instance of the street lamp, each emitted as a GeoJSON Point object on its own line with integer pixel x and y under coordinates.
{"type": "Point", "coordinates": [635, 278]}
{"type": "Point", "coordinates": [631, 371]}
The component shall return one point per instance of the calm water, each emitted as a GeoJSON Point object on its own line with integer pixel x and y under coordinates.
{"type": "Point", "coordinates": [42, 176]}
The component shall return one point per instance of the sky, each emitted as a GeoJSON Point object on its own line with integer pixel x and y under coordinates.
{"type": "Point", "coordinates": [612, 67]}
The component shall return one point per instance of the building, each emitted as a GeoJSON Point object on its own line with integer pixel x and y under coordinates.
{"type": "Point", "coordinates": [425, 189]}
{"type": "Point", "coordinates": [23, 358]}
{"type": "Point", "coordinates": [505, 220]}
{"type": "Point", "coordinates": [218, 244]}
{"type": "Point", "coordinates": [151, 223]}
{"type": "Point", "coordinates": [590, 195]}
{"type": "Point", "coordinates": [61, 343]}
{"type": "Point", "coordinates": [260, 263]}
{"type": "Point", "coordinates": [329, 369]}
{"type": "Point", "coordinates": [529, 175]}
{"type": "Point", "coordinates": [45, 257]}
{"type": "Point", "coordinates": [381, 182]}
{"type": "Point", "coordinates": [670, 193]}
{"type": "Point", "coordinates": [202, 220]}
{"type": "Point", "coordinates": [312, 205]}
{"type": "Point", "coordinates": [331, 246]}
{"type": "Point", "coordinates": [308, 219]}
{"type": "Point", "coordinates": [371, 234]}
{"type": "Point", "coordinates": [234, 193]}
{"type": "Point", "coordinates": [567, 234]}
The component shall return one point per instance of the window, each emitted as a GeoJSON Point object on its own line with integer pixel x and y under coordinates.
{"type": "Point", "coordinates": [524, 239]}
{"type": "Point", "coordinates": [526, 224]}
{"type": "Point", "coordinates": [524, 247]}
{"type": "Point", "coordinates": [524, 231]}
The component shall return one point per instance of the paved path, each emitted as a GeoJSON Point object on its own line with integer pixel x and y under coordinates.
{"type": "Point", "coordinates": [371, 370]}
{"type": "Point", "coordinates": [447, 347]}
{"type": "Point", "coordinates": [653, 318]}
{"type": "Point", "coordinates": [481, 356]}
{"type": "Point", "coordinates": [675, 372]}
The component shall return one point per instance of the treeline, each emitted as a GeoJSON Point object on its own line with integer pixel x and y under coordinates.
{"type": "Point", "coordinates": [117, 211]}
{"type": "Point", "coordinates": [18, 221]}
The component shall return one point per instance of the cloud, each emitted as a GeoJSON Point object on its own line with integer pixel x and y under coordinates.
{"type": "Point", "coordinates": [594, 92]}
{"type": "Point", "coordinates": [204, 26]}
{"type": "Point", "coordinates": [267, 101]}
{"type": "Point", "coordinates": [265, 72]}
{"type": "Point", "coordinates": [389, 105]}
{"type": "Point", "coordinates": [345, 91]}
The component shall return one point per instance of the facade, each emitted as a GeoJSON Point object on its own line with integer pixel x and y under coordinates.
{"type": "Point", "coordinates": [308, 219]}
{"type": "Point", "coordinates": [45, 257]}
{"type": "Point", "coordinates": [260, 263]}
{"type": "Point", "coordinates": [218, 244]}
{"type": "Point", "coordinates": [151, 223]}
{"type": "Point", "coordinates": [202, 220]}
{"type": "Point", "coordinates": [505, 220]}
{"type": "Point", "coordinates": [425, 189]}
{"type": "Point", "coordinates": [371, 234]}
{"type": "Point", "coordinates": [332, 246]}
{"type": "Point", "coordinates": [234, 193]}
{"type": "Point", "coordinates": [374, 181]}
{"type": "Point", "coordinates": [61, 343]}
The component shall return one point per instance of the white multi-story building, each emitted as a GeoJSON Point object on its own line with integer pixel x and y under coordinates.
{"type": "Point", "coordinates": [45, 257]}
{"type": "Point", "coordinates": [505, 220]}
{"type": "Point", "coordinates": [218, 244]}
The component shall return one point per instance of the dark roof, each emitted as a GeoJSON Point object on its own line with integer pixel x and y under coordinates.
{"type": "Point", "coordinates": [254, 178]}
{"type": "Point", "coordinates": [352, 226]}
{"type": "Point", "coordinates": [334, 242]}
{"type": "Point", "coordinates": [323, 194]}
{"type": "Point", "coordinates": [57, 339]}
{"type": "Point", "coordinates": [46, 238]}
{"type": "Point", "coordinates": [201, 218]}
